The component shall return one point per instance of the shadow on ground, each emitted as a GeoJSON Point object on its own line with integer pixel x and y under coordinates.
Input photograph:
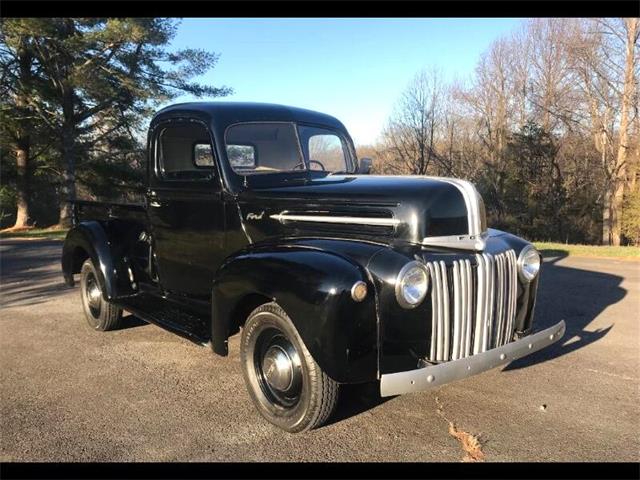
{"type": "Point", "coordinates": [30, 271]}
{"type": "Point", "coordinates": [576, 296]}
{"type": "Point", "coordinates": [357, 399]}
{"type": "Point", "coordinates": [131, 321]}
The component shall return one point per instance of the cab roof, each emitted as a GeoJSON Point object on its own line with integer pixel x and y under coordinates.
{"type": "Point", "coordinates": [223, 114]}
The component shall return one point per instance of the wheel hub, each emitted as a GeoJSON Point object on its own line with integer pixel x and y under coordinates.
{"type": "Point", "coordinates": [94, 295]}
{"type": "Point", "coordinates": [278, 368]}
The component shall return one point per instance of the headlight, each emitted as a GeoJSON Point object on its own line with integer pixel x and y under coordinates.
{"type": "Point", "coordinates": [412, 284]}
{"type": "Point", "coordinates": [528, 263]}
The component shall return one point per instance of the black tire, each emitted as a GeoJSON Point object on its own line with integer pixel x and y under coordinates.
{"type": "Point", "coordinates": [310, 396]}
{"type": "Point", "coordinates": [101, 315]}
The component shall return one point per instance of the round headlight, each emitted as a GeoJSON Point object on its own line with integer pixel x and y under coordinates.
{"type": "Point", "coordinates": [528, 263]}
{"type": "Point", "coordinates": [412, 284]}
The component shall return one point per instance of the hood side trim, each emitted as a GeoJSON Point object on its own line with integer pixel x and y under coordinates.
{"type": "Point", "coordinates": [385, 222]}
{"type": "Point", "coordinates": [464, 242]}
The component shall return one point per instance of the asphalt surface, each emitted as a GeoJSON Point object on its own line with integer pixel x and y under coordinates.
{"type": "Point", "coordinates": [140, 393]}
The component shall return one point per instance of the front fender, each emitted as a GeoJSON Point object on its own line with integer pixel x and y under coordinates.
{"type": "Point", "coordinates": [314, 288]}
{"type": "Point", "coordinates": [91, 240]}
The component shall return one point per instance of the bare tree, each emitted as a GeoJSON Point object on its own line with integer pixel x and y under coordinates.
{"type": "Point", "coordinates": [410, 135]}
{"type": "Point", "coordinates": [563, 91]}
{"type": "Point", "coordinates": [605, 54]}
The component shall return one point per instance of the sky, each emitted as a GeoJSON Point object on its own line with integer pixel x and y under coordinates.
{"type": "Point", "coordinates": [353, 69]}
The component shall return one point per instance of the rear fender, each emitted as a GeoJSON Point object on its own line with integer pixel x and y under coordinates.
{"type": "Point", "coordinates": [91, 240]}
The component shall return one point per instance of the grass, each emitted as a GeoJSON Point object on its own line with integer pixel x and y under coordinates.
{"type": "Point", "coordinates": [51, 233]}
{"type": "Point", "coordinates": [549, 249]}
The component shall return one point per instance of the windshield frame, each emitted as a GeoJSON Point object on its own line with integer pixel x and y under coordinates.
{"type": "Point", "coordinates": [345, 139]}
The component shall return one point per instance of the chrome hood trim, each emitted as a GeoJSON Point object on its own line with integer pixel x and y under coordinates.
{"type": "Point", "coordinates": [282, 217]}
{"type": "Point", "coordinates": [463, 242]}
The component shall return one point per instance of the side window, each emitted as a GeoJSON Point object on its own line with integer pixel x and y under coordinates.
{"type": "Point", "coordinates": [184, 152]}
{"type": "Point", "coordinates": [326, 152]}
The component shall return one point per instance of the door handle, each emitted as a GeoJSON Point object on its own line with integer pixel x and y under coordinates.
{"type": "Point", "coordinates": [153, 200]}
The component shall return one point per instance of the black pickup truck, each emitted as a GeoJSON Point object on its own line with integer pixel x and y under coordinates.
{"type": "Point", "coordinates": [259, 218]}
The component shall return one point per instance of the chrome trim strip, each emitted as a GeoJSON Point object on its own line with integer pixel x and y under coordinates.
{"type": "Point", "coordinates": [432, 376]}
{"type": "Point", "coordinates": [385, 222]}
{"type": "Point", "coordinates": [470, 195]}
{"type": "Point", "coordinates": [463, 242]}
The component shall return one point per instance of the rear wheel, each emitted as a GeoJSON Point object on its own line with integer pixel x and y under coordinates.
{"type": "Point", "coordinates": [287, 386]}
{"type": "Point", "coordinates": [101, 315]}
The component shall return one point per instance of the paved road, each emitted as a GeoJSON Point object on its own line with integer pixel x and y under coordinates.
{"type": "Point", "coordinates": [140, 393]}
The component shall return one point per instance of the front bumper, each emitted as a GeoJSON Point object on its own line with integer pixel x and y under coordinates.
{"type": "Point", "coordinates": [433, 376]}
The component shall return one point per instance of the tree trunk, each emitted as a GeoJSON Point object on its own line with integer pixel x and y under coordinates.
{"type": "Point", "coordinates": [69, 177]}
{"type": "Point", "coordinates": [22, 138]}
{"type": "Point", "coordinates": [619, 173]}
{"type": "Point", "coordinates": [23, 218]}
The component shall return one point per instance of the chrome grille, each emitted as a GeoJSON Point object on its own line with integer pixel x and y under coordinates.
{"type": "Point", "coordinates": [474, 306]}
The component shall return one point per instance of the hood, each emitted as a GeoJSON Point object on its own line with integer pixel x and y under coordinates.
{"type": "Point", "coordinates": [433, 211]}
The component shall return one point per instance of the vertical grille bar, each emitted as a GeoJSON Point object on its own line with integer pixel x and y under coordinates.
{"type": "Point", "coordinates": [513, 286]}
{"type": "Point", "coordinates": [468, 320]}
{"type": "Point", "coordinates": [435, 305]}
{"type": "Point", "coordinates": [457, 311]}
{"type": "Point", "coordinates": [446, 327]}
{"type": "Point", "coordinates": [500, 288]}
{"type": "Point", "coordinates": [472, 311]}
{"type": "Point", "coordinates": [480, 304]}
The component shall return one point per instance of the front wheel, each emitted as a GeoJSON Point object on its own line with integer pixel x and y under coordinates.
{"type": "Point", "coordinates": [100, 314]}
{"type": "Point", "coordinates": [287, 386]}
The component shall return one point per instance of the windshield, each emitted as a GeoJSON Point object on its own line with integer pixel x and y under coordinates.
{"type": "Point", "coordinates": [272, 147]}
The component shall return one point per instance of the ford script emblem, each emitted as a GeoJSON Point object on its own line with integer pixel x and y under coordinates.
{"type": "Point", "coordinates": [255, 216]}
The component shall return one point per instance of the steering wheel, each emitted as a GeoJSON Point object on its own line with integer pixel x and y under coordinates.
{"type": "Point", "coordinates": [302, 164]}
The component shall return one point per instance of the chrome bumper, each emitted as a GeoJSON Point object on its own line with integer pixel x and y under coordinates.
{"type": "Point", "coordinates": [433, 376]}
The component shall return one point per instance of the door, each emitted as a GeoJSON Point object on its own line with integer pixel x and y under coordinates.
{"type": "Point", "coordinates": [185, 207]}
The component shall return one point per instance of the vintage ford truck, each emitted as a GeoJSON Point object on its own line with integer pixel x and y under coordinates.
{"type": "Point", "coordinates": [259, 218]}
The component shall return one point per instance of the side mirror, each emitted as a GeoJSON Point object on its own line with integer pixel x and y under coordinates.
{"type": "Point", "coordinates": [364, 165]}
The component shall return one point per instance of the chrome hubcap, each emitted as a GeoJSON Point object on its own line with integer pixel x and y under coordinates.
{"type": "Point", "coordinates": [94, 295]}
{"type": "Point", "coordinates": [278, 368]}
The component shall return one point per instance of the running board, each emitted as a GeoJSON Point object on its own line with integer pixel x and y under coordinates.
{"type": "Point", "coordinates": [168, 315]}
